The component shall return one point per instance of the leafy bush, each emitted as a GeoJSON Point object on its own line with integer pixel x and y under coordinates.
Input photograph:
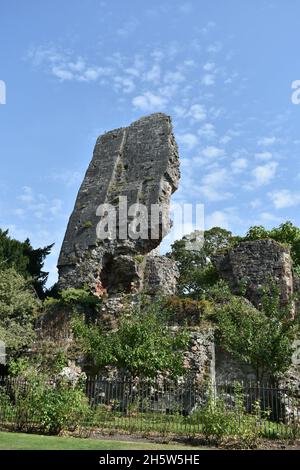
{"type": "Point", "coordinates": [143, 345]}
{"type": "Point", "coordinates": [19, 307]}
{"type": "Point", "coordinates": [217, 420]}
{"type": "Point", "coordinates": [186, 310]}
{"type": "Point", "coordinates": [262, 338]}
{"type": "Point", "coordinates": [48, 405]}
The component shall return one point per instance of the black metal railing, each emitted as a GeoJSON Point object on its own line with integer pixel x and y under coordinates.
{"type": "Point", "coordinates": [184, 407]}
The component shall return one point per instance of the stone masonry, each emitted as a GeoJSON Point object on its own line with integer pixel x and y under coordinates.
{"type": "Point", "coordinates": [253, 265]}
{"type": "Point", "coordinates": [140, 163]}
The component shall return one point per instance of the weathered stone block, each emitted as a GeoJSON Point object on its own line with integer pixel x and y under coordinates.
{"type": "Point", "coordinates": [160, 276]}
{"type": "Point", "coordinates": [253, 265]}
{"type": "Point", "coordinates": [139, 163]}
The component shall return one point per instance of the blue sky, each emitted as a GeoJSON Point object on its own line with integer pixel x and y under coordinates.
{"type": "Point", "coordinates": [222, 69]}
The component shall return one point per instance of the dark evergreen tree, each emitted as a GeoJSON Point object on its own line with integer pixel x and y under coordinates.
{"type": "Point", "coordinates": [26, 260]}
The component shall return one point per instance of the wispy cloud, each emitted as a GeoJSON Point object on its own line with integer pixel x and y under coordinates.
{"type": "Point", "coordinates": [214, 185]}
{"type": "Point", "coordinates": [284, 198]}
{"type": "Point", "coordinates": [267, 141]}
{"type": "Point", "coordinates": [148, 102]}
{"type": "Point", "coordinates": [263, 174]}
{"type": "Point", "coordinates": [38, 205]}
{"type": "Point", "coordinates": [212, 152]}
{"type": "Point", "coordinates": [188, 140]}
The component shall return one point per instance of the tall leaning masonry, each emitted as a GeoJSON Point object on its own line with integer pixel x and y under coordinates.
{"type": "Point", "coordinates": [140, 164]}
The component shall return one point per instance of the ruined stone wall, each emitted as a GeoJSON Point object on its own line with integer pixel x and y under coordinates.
{"type": "Point", "coordinates": [200, 356]}
{"type": "Point", "coordinates": [160, 276]}
{"type": "Point", "coordinates": [255, 264]}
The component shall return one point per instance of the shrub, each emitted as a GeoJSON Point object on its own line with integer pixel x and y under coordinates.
{"type": "Point", "coordinates": [50, 406]}
{"type": "Point", "coordinates": [143, 345]}
{"type": "Point", "coordinates": [218, 421]}
{"type": "Point", "coordinates": [186, 310]}
{"type": "Point", "coordinates": [19, 307]}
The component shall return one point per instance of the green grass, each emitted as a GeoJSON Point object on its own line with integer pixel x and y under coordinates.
{"type": "Point", "coordinates": [19, 441]}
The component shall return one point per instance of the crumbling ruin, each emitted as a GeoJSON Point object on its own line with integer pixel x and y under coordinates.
{"type": "Point", "coordinates": [253, 265]}
{"type": "Point", "coordinates": [138, 164]}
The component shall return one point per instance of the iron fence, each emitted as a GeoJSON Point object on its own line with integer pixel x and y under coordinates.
{"type": "Point", "coordinates": [182, 407]}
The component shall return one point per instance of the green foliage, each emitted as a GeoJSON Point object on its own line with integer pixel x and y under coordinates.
{"type": "Point", "coordinates": [21, 367]}
{"type": "Point", "coordinates": [51, 405]}
{"type": "Point", "coordinates": [188, 311]}
{"type": "Point", "coordinates": [60, 407]}
{"type": "Point", "coordinates": [82, 296]}
{"type": "Point", "coordinates": [76, 301]}
{"type": "Point", "coordinates": [197, 274]}
{"type": "Point", "coordinates": [218, 238]}
{"type": "Point", "coordinates": [189, 263]}
{"type": "Point", "coordinates": [218, 420]}
{"type": "Point", "coordinates": [143, 344]}
{"type": "Point", "coordinates": [262, 338]}
{"type": "Point", "coordinates": [48, 401]}
{"type": "Point", "coordinates": [219, 293]}
{"type": "Point", "coordinates": [25, 260]}
{"type": "Point", "coordinates": [19, 306]}
{"type": "Point", "coordinates": [87, 224]}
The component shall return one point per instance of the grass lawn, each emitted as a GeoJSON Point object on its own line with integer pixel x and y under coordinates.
{"type": "Point", "coordinates": [19, 441]}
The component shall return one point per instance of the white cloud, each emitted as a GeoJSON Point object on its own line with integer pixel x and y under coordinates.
{"type": "Point", "coordinates": [188, 139]}
{"type": "Point", "coordinates": [65, 66]}
{"type": "Point", "coordinates": [208, 27]}
{"type": "Point", "coordinates": [174, 77]}
{"type": "Point", "coordinates": [128, 27]}
{"type": "Point", "coordinates": [239, 165]}
{"type": "Point", "coordinates": [207, 131]}
{"type": "Point", "coordinates": [38, 205]}
{"type": "Point", "coordinates": [153, 75]}
{"type": "Point", "coordinates": [263, 174]}
{"type": "Point", "coordinates": [180, 111]}
{"type": "Point", "coordinates": [55, 206]}
{"type": "Point", "coordinates": [27, 195]}
{"type": "Point", "coordinates": [225, 139]}
{"type": "Point", "coordinates": [209, 66]}
{"type": "Point", "coordinates": [267, 141]}
{"type": "Point", "coordinates": [217, 219]}
{"type": "Point", "coordinates": [214, 48]}
{"type": "Point", "coordinates": [19, 212]}
{"type": "Point", "coordinates": [208, 79]}
{"type": "Point", "coordinates": [126, 84]}
{"type": "Point", "coordinates": [213, 184]}
{"type": "Point", "coordinates": [268, 217]}
{"type": "Point", "coordinates": [255, 203]}
{"type": "Point", "coordinates": [148, 101]}
{"type": "Point", "coordinates": [197, 112]}
{"type": "Point", "coordinates": [213, 152]}
{"type": "Point", "coordinates": [284, 198]}
{"type": "Point", "coordinates": [185, 7]}
{"type": "Point", "coordinates": [157, 55]}
{"type": "Point", "coordinates": [77, 66]}
{"type": "Point", "coordinates": [68, 177]}
{"type": "Point", "coordinates": [263, 156]}
{"type": "Point", "coordinates": [62, 73]}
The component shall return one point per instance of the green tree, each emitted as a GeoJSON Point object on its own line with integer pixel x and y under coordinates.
{"type": "Point", "coordinates": [19, 306]}
{"type": "Point", "coordinates": [26, 260]}
{"type": "Point", "coordinates": [197, 274]}
{"type": "Point", "coordinates": [143, 345]}
{"type": "Point", "coordinates": [218, 238]}
{"type": "Point", "coordinates": [261, 338]}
